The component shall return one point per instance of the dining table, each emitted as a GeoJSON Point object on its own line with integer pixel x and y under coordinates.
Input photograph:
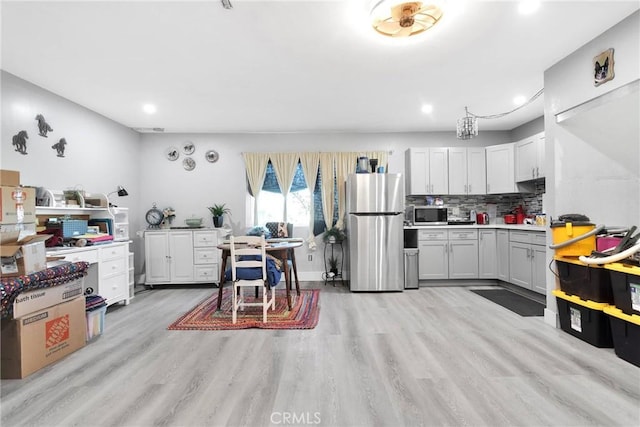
{"type": "Point", "coordinates": [280, 248]}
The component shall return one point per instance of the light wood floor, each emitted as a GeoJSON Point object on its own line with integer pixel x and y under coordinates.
{"type": "Point", "coordinates": [440, 356]}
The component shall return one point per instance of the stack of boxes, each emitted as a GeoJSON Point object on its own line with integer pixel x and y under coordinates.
{"type": "Point", "coordinates": [49, 323]}
{"type": "Point", "coordinates": [599, 304]}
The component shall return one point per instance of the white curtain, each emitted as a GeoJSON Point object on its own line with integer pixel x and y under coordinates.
{"type": "Point", "coordinates": [284, 166]}
{"type": "Point", "coordinates": [309, 163]}
{"type": "Point", "coordinates": [345, 164]}
{"type": "Point", "coordinates": [327, 174]}
{"type": "Point", "coordinates": [256, 165]}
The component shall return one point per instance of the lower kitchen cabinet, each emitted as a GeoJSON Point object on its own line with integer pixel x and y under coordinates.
{"type": "Point", "coordinates": [487, 254]}
{"type": "Point", "coordinates": [451, 254]}
{"type": "Point", "coordinates": [527, 259]}
{"type": "Point", "coordinates": [181, 256]}
{"type": "Point", "coordinates": [502, 252]}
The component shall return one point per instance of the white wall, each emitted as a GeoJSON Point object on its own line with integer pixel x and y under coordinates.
{"type": "Point", "coordinates": [594, 173]}
{"type": "Point", "coordinates": [100, 153]}
{"type": "Point", "coordinates": [190, 192]}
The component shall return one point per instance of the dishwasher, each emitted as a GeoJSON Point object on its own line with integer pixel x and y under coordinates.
{"type": "Point", "coordinates": [411, 258]}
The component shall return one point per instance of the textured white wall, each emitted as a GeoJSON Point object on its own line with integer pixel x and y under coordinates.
{"type": "Point", "coordinates": [594, 173]}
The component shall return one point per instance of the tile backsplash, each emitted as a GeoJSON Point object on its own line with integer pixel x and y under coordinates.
{"type": "Point", "coordinates": [505, 203]}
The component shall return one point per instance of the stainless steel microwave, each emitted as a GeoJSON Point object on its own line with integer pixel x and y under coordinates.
{"type": "Point", "coordinates": [429, 215]}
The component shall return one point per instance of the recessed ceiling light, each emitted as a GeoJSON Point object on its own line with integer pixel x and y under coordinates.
{"type": "Point", "coordinates": [149, 108]}
{"type": "Point", "coordinates": [526, 7]}
{"type": "Point", "coordinates": [427, 108]}
{"type": "Point", "coordinates": [519, 100]}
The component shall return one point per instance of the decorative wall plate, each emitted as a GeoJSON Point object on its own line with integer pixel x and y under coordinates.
{"type": "Point", "coordinates": [189, 164]}
{"type": "Point", "coordinates": [212, 156]}
{"type": "Point", "coordinates": [188, 148]}
{"type": "Point", "coordinates": [172, 153]}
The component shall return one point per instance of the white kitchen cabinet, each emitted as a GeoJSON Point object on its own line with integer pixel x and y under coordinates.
{"type": "Point", "coordinates": [487, 254]}
{"type": "Point", "coordinates": [433, 254]}
{"type": "Point", "coordinates": [529, 157]}
{"type": "Point", "coordinates": [181, 256]}
{"type": "Point", "coordinates": [447, 254]}
{"type": "Point", "coordinates": [502, 241]}
{"type": "Point", "coordinates": [463, 254]}
{"type": "Point", "coordinates": [467, 170]}
{"type": "Point", "coordinates": [427, 171]}
{"type": "Point", "coordinates": [527, 257]}
{"type": "Point", "coordinates": [501, 168]}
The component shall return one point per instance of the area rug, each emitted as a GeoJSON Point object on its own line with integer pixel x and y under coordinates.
{"type": "Point", "coordinates": [510, 300]}
{"type": "Point", "coordinates": [204, 317]}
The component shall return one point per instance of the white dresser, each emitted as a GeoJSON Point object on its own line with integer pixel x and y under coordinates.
{"type": "Point", "coordinates": [182, 256]}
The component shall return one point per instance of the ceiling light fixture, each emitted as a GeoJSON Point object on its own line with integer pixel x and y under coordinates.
{"type": "Point", "coordinates": [226, 4]}
{"type": "Point", "coordinates": [467, 127]}
{"type": "Point", "coordinates": [403, 19]}
{"type": "Point", "coordinates": [427, 108]}
{"type": "Point", "coordinates": [527, 7]}
{"type": "Point", "coordinates": [149, 108]}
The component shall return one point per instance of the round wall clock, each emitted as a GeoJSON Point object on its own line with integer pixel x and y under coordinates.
{"type": "Point", "coordinates": [154, 217]}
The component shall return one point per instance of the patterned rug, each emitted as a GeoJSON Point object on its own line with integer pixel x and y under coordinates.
{"type": "Point", "coordinates": [204, 317]}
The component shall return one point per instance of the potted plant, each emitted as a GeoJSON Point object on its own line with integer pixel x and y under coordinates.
{"type": "Point", "coordinates": [218, 212]}
{"type": "Point", "coordinates": [334, 234]}
{"type": "Point", "coordinates": [333, 266]}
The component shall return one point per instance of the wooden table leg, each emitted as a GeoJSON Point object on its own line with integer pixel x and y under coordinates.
{"type": "Point", "coordinates": [223, 266]}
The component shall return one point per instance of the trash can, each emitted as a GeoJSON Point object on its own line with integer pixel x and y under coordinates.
{"type": "Point", "coordinates": [411, 268]}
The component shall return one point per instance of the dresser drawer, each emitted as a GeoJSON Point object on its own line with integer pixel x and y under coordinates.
{"type": "Point", "coordinates": [113, 252]}
{"type": "Point", "coordinates": [113, 267]}
{"type": "Point", "coordinates": [206, 273]}
{"type": "Point", "coordinates": [205, 238]}
{"type": "Point", "coordinates": [205, 255]}
{"type": "Point", "coordinates": [87, 256]}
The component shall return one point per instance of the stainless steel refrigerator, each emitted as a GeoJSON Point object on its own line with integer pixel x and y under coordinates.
{"type": "Point", "coordinates": [375, 211]}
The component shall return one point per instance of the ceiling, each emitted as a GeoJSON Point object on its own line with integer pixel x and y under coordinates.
{"type": "Point", "coordinates": [294, 66]}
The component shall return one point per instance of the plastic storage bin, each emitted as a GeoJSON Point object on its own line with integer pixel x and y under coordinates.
{"type": "Point", "coordinates": [625, 284]}
{"type": "Point", "coordinates": [625, 330]}
{"type": "Point", "coordinates": [587, 282]}
{"type": "Point", "coordinates": [563, 231]}
{"type": "Point", "coordinates": [584, 319]}
{"type": "Point", "coordinates": [95, 322]}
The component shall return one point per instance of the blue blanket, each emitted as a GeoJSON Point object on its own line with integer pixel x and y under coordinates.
{"type": "Point", "coordinates": [253, 273]}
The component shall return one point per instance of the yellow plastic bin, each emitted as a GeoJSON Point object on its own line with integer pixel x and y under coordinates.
{"type": "Point", "coordinates": [563, 232]}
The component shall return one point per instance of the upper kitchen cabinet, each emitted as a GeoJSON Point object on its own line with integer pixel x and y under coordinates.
{"type": "Point", "coordinates": [530, 158]}
{"type": "Point", "coordinates": [427, 171]}
{"type": "Point", "coordinates": [501, 169]}
{"type": "Point", "coordinates": [467, 170]}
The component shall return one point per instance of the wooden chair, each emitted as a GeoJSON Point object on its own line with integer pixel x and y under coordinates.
{"type": "Point", "coordinates": [277, 230]}
{"type": "Point", "coordinates": [249, 271]}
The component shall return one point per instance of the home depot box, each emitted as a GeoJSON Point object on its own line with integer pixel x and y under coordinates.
{"type": "Point", "coordinates": [34, 341]}
{"type": "Point", "coordinates": [10, 178]}
{"type": "Point", "coordinates": [24, 256]}
{"type": "Point", "coordinates": [17, 205]}
{"type": "Point", "coordinates": [39, 299]}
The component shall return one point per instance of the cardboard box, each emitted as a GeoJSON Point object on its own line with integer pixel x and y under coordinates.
{"type": "Point", "coordinates": [32, 342]}
{"type": "Point", "coordinates": [39, 299]}
{"type": "Point", "coordinates": [17, 205]}
{"type": "Point", "coordinates": [24, 256]}
{"type": "Point", "coordinates": [10, 178]}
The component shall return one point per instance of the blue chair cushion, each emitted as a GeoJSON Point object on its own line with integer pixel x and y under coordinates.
{"type": "Point", "coordinates": [253, 273]}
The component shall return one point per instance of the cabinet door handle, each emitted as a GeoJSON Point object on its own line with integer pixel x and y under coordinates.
{"type": "Point", "coordinates": [528, 253]}
{"type": "Point", "coordinates": [469, 188]}
{"type": "Point", "coordinates": [537, 171]}
{"type": "Point", "coordinates": [533, 172]}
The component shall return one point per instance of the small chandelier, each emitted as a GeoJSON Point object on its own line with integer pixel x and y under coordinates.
{"type": "Point", "coordinates": [467, 127]}
{"type": "Point", "coordinates": [397, 18]}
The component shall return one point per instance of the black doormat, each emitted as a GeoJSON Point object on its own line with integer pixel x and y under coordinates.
{"type": "Point", "coordinates": [512, 301]}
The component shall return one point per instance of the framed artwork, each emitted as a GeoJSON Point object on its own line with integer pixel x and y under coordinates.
{"type": "Point", "coordinates": [603, 67]}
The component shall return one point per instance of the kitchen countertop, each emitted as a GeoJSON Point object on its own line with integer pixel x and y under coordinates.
{"type": "Point", "coordinates": [523, 227]}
